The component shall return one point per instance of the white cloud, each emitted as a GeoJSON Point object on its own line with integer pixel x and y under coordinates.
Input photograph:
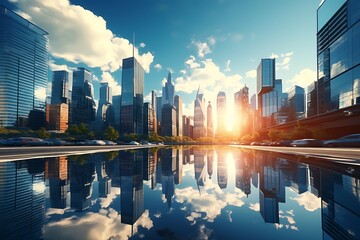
{"type": "Point", "coordinates": [304, 78]}
{"type": "Point", "coordinates": [147, 98]}
{"type": "Point", "coordinates": [308, 200]}
{"type": "Point", "coordinates": [227, 66]}
{"type": "Point", "coordinates": [202, 48]}
{"type": "Point", "coordinates": [55, 67]}
{"type": "Point", "coordinates": [251, 74]}
{"type": "Point", "coordinates": [158, 66]}
{"type": "Point", "coordinates": [115, 87]}
{"type": "Point", "coordinates": [142, 45]}
{"type": "Point", "coordinates": [82, 37]}
{"type": "Point", "coordinates": [212, 40]}
{"type": "Point", "coordinates": [255, 207]}
{"type": "Point", "coordinates": [191, 63]}
{"type": "Point", "coordinates": [24, 15]}
{"type": "Point", "coordinates": [282, 60]}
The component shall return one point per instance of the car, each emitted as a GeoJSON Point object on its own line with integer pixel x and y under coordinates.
{"type": "Point", "coordinates": [306, 143]}
{"type": "Point", "coordinates": [56, 142]}
{"type": "Point", "coordinates": [284, 143]}
{"type": "Point", "coordinates": [26, 141]}
{"type": "Point", "coordinates": [95, 142]}
{"type": "Point", "coordinates": [352, 140]}
{"type": "Point", "coordinates": [134, 143]}
{"type": "Point", "coordinates": [108, 142]}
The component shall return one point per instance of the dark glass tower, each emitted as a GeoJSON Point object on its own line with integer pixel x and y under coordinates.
{"type": "Point", "coordinates": [23, 68]}
{"type": "Point", "coordinates": [132, 92]}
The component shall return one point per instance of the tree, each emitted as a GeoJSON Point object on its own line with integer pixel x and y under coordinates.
{"type": "Point", "coordinates": [275, 135]}
{"type": "Point", "coordinates": [42, 133]}
{"type": "Point", "coordinates": [111, 134]}
{"type": "Point", "coordinates": [301, 132]}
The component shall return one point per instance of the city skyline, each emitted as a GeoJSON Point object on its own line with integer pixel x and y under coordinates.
{"type": "Point", "coordinates": [219, 54]}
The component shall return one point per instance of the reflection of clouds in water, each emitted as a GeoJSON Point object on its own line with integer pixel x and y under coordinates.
{"type": "Point", "coordinates": [105, 202]}
{"type": "Point", "coordinates": [103, 225]}
{"type": "Point", "coordinates": [308, 200]}
{"type": "Point", "coordinates": [289, 217]}
{"type": "Point", "coordinates": [211, 201]}
{"type": "Point", "coordinates": [255, 207]}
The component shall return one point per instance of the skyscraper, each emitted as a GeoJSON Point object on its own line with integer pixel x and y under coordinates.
{"type": "Point", "coordinates": [23, 68]}
{"type": "Point", "coordinates": [83, 107]}
{"type": "Point", "coordinates": [296, 103]}
{"type": "Point", "coordinates": [154, 106]}
{"type": "Point", "coordinates": [168, 91]}
{"type": "Point", "coordinates": [60, 92]}
{"type": "Point", "coordinates": [199, 116]}
{"type": "Point", "coordinates": [209, 125]}
{"type": "Point", "coordinates": [221, 113]}
{"type": "Point", "coordinates": [338, 54]}
{"type": "Point", "coordinates": [179, 123]}
{"type": "Point", "coordinates": [116, 102]}
{"type": "Point", "coordinates": [242, 111]}
{"type": "Point", "coordinates": [149, 122]}
{"type": "Point", "coordinates": [105, 96]}
{"type": "Point", "coordinates": [168, 126]}
{"type": "Point", "coordinates": [132, 97]}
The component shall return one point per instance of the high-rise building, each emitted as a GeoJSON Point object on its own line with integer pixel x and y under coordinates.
{"type": "Point", "coordinates": [199, 116]}
{"type": "Point", "coordinates": [61, 88]}
{"type": "Point", "coordinates": [296, 103]}
{"type": "Point", "coordinates": [221, 113]}
{"type": "Point", "coordinates": [132, 97]}
{"type": "Point", "coordinates": [188, 126]}
{"type": "Point", "coordinates": [23, 68]}
{"type": "Point", "coordinates": [311, 100]}
{"type": "Point", "coordinates": [338, 54]}
{"type": "Point", "coordinates": [57, 117]}
{"type": "Point", "coordinates": [158, 113]}
{"type": "Point", "coordinates": [209, 125]}
{"type": "Point", "coordinates": [168, 91]}
{"type": "Point", "coordinates": [105, 97]}
{"type": "Point", "coordinates": [116, 103]}
{"type": "Point", "coordinates": [168, 124]}
{"type": "Point", "coordinates": [154, 106]}
{"type": "Point", "coordinates": [242, 111]}
{"type": "Point", "coordinates": [83, 107]}
{"type": "Point", "coordinates": [179, 123]}
{"type": "Point", "coordinates": [149, 122]}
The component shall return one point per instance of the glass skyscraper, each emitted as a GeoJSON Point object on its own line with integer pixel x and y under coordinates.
{"type": "Point", "coordinates": [338, 54]}
{"type": "Point", "coordinates": [132, 92]}
{"type": "Point", "coordinates": [296, 103]}
{"type": "Point", "coordinates": [221, 113]}
{"type": "Point", "coordinates": [23, 68]}
{"type": "Point", "coordinates": [61, 92]}
{"type": "Point", "coordinates": [199, 117]}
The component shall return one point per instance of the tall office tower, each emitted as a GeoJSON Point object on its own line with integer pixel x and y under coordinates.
{"type": "Point", "coordinates": [116, 103]}
{"type": "Point", "coordinates": [168, 124]}
{"type": "Point", "coordinates": [132, 100]}
{"type": "Point", "coordinates": [338, 54]}
{"type": "Point", "coordinates": [199, 116]}
{"type": "Point", "coordinates": [168, 170]}
{"type": "Point", "coordinates": [57, 117]}
{"type": "Point", "coordinates": [23, 68]}
{"type": "Point", "coordinates": [311, 100]}
{"type": "Point", "coordinates": [222, 172]}
{"type": "Point", "coordinates": [221, 113]}
{"type": "Point", "coordinates": [60, 88]}
{"type": "Point", "coordinates": [149, 122]}
{"type": "Point", "coordinates": [83, 107]}
{"type": "Point", "coordinates": [179, 123]}
{"type": "Point", "coordinates": [154, 106]}
{"type": "Point", "coordinates": [269, 93]}
{"type": "Point", "coordinates": [158, 113]}
{"type": "Point", "coordinates": [209, 124]}
{"type": "Point", "coordinates": [188, 126]}
{"type": "Point", "coordinates": [168, 92]}
{"type": "Point", "coordinates": [242, 111]}
{"type": "Point", "coordinates": [105, 97]}
{"type": "Point", "coordinates": [296, 103]}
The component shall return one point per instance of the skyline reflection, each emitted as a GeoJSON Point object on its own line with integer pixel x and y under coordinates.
{"type": "Point", "coordinates": [156, 192]}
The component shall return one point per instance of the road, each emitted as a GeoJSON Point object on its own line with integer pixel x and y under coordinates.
{"type": "Point", "coordinates": [340, 155]}
{"type": "Point", "coordinates": [19, 153]}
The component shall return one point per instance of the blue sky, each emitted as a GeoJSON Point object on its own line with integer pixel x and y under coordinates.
{"type": "Point", "coordinates": [216, 44]}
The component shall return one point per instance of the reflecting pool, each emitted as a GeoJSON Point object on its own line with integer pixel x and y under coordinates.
{"type": "Point", "coordinates": [179, 193]}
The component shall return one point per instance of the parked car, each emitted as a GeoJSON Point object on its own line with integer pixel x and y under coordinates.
{"type": "Point", "coordinates": [26, 141]}
{"type": "Point", "coordinates": [134, 143]}
{"type": "Point", "coordinates": [95, 142]}
{"type": "Point", "coordinates": [352, 140]}
{"type": "Point", "coordinates": [283, 143]}
{"type": "Point", "coordinates": [108, 142]}
{"type": "Point", "coordinates": [306, 143]}
{"type": "Point", "coordinates": [56, 142]}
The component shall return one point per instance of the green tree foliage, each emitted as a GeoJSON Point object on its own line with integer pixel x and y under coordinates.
{"type": "Point", "coordinates": [42, 133]}
{"type": "Point", "coordinates": [275, 135]}
{"type": "Point", "coordinates": [301, 132]}
{"type": "Point", "coordinates": [80, 131]}
{"type": "Point", "coordinates": [111, 134]}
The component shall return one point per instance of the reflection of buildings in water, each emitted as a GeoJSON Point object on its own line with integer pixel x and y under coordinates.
{"type": "Point", "coordinates": [81, 178]}
{"type": "Point", "coordinates": [168, 162]}
{"type": "Point", "coordinates": [188, 156]}
{"type": "Point", "coordinates": [314, 180]}
{"type": "Point", "coordinates": [149, 167]}
{"type": "Point", "coordinates": [131, 182]}
{"type": "Point", "coordinates": [103, 179]}
{"type": "Point", "coordinates": [210, 162]}
{"type": "Point", "coordinates": [199, 167]}
{"type": "Point", "coordinates": [112, 169]}
{"type": "Point", "coordinates": [56, 171]}
{"type": "Point", "coordinates": [243, 172]}
{"type": "Point", "coordinates": [179, 165]}
{"type": "Point", "coordinates": [340, 206]}
{"type": "Point", "coordinates": [222, 170]}
{"type": "Point", "coordinates": [22, 199]}
{"type": "Point", "coordinates": [299, 179]}
{"type": "Point", "coordinates": [153, 169]}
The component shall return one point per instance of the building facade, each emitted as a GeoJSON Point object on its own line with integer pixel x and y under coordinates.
{"type": "Point", "coordinates": [242, 112]}
{"type": "Point", "coordinates": [168, 124]}
{"type": "Point", "coordinates": [199, 116]}
{"type": "Point", "coordinates": [221, 113]}
{"type": "Point", "coordinates": [179, 123]}
{"type": "Point", "coordinates": [105, 97]}
{"type": "Point", "coordinates": [57, 117]}
{"type": "Point", "coordinates": [132, 92]}
{"type": "Point", "coordinates": [168, 92]}
{"type": "Point", "coordinates": [296, 103]}
{"type": "Point", "coordinates": [338, 55]}
{"type": "Point", "coordinates": [116, 102]}
{"type": "Point", "coordinates": [154, 106]}
{"type": "Point", "coordinates": [61, 87]}
{"type": "Point", "coordinates": [209, 123]}
{"type": "Point", "coordinates": [149, 121]}
{"type": "Point", "coordinates": [23, 68]}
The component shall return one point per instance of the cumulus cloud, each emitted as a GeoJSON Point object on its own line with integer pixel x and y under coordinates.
{"type": "Point", "coordinates": [55, 67]}
{"type": "Point", "coordinates": [142, 45]}
{"type": "Point", "coordinates": [282, 60]}
{"type": "Point", "coordinates": [115, 87]}
{"type": "Point", "coordinates": [191, 63]}
{"type": "Point", "coordinates": [82, 37]}
{"type": "Point", "coordinates": [308, 200]}
{"type": "Point", "coordinates": [255, 207]}
{"type": "Point", "coordinates": [202, 48]}
{"type": "Point", "coordinates": [158, 67]}
{"type": "Point", "coordinates": [304, 78]}
{"type": "Point", "coordinates": [212, 40]}
{"type": "Point", "coordinates": [227, 66]}
{"type": "Point", "coordinates": [251, 74]}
